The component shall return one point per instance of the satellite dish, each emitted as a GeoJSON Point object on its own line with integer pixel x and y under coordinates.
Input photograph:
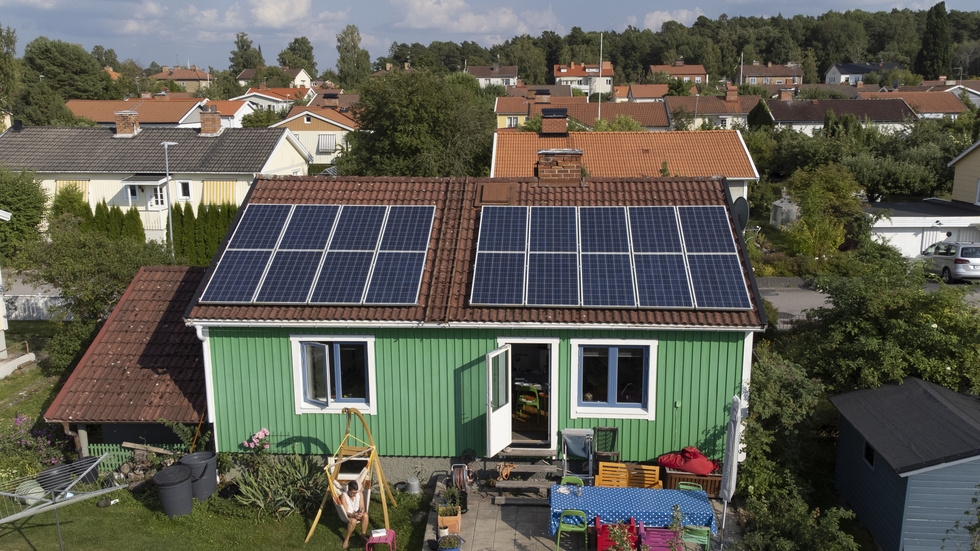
{"type": "Point", "coordinates": [740, 210]}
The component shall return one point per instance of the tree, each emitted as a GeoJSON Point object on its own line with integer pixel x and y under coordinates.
{"type": "Point", "coordinates": [528, 58]}
{"type": "Point", "coordinates": [759, 117]}
{"type": "Point", "coordinates": [936, 56]}
{"type": "Point", "coordinates": [66, 69]}
{"type": "Point", "coordinates": [133, 225]}
{"type": "Point", "coordinates": [263, 118]}
{"type": "Point", "coordinates": [353, 62]}
{"type": "Point", "coordinates": [22, 196]}
{"type": "Point", "coordinates": [622, 123]}
{"type": "Point", "coordinates": [244, 56]}
{"type": "Point", "coordinates": [105, 58]}
{"type": "Point", "coordinates": [224, 85]}
{"type": "Point", "coordinates": [8, 66]}
{"type": "Point", "coordinates": [71, 200]}
{"type": "Point", "coordinates": [299, 55]}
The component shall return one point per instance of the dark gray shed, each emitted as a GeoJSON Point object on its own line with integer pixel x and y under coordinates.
{"type": "Point", "coordinates": [908, 463]}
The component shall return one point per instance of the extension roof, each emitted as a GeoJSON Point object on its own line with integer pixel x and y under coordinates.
{"type": "Point", "coordinates": [553, 90]}
{"type": "Point", "coordinates": [343, 100]}
{"type": "Point", "coordinates": [279, 94]}
{"type": "Point", "coordinates": [96, 149]}
{"type": "Point", "coordinates": [327, 114]}
{"type": "Point", "coordinates": [448, 272]}
{"type": "Point", "coordinates": [770, 70]}
{"type": "Point", "coordinates": [148, 111]}
{"type": "Point", "coordinates": [845, 89]}
{"type": "Point", "coordinates": [249, 74]}
{"type": "Point", "coordinates": [699, 153]}
{"type": "Point", "coordinates": [712, 105]}
{"type": "Point", "coordinates": [814, 110]}
{"type": "Point", "coordinates": [924, 102]}
{"type": "Point", "coordinates": [649, 114]}
{"type": "Point", "coordinates": [144, 364]}
{"type": "Point", "coordinates": [648, 90]}
{"type": "Point", "coordinates": [521, 105]}
{"type": "Point", "coordinates": [679, 71]}
{"type": "Point", "coordinates": [916, 424]}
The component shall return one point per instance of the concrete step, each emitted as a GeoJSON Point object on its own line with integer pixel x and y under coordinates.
{"type": "Point", "coordinates": [527, 452]}
{"type": "Point", "coordinates": [523, 484]}
{"type": "Point", "coordinates": [511, 500]}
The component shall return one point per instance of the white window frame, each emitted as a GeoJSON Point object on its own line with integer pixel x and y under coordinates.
{"type": "Point", "coordinates": [156, 199]}
{"type": "Point", "coordinates": [181, 196]}
{"type": "Point", "coordinates": [511, 122]}
{"type": "Point", "coordinates": [697, 80]}
{"type": "Point", "coordinates": [325, 150]}
{"type": "Point", "coordinates": [132, 195]}
{"type": "Point", "coordinates": [751, 80]}
{"type": "Point", "coordinates": [722, 122]}
{"type": "Point", "coordinates": [577, 411]}
{"type": "Point", "coordinates": [303, 405]}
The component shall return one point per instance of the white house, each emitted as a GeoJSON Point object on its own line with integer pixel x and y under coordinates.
{"type": "Point", "coordinates": [321, 130]}
{"type": "Point", "coordinates": [586, 77]}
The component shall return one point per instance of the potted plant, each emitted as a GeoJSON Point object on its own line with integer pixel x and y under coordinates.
{"type": "Point", "coordinates": [448, 512]}
{"type": "Point", "coordinates": [443, 531]}
{"type": "Point", "coordinates": [452, 542]}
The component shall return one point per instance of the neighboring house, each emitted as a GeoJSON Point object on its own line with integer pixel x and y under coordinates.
{"type": "Point", "coordinates": [958, 87]}
{"type": "Point", "coordinates": [721, 112]}
{"type": "Point", "coordinates": [927, 105]}
{"type": "Point", "coordinates": [908, 462]}
{"type": "Point", "coordinates": [651, 116]}
{"type": "Point", "coordinates": [778, 90]}
{"type": "Point", "coordinates": [688, 73]}
{"type": "Point", "coordinates": [144, 365]}
{"type": "Point", "coordinates": [641, 93]}
{"type": "Point", "coordinates": [334, 97]}
{"type": "Point", "coordinates": [300, 78]}
{"type": "Point", "coordinates": [689, 154]}
{"type": "Point", "coordinates": [405, 298]}
{"type": "Point", "coordinates": [407, 67]}
{"type": "Point", "coordinates": [808, 115]}
{"type": "Point", "coordinates": [620, 94]}
{"type": "Point", "coordinates": [552, 90]}
{"type": "Point", "coordinates": [276, 99]}
{"type": "Point", "coordinates": [321, 130]}
{"type": "Point", "coordinates": [192, 78]}
{"type": "Point", "coordinates": [232, 112]}
{"type": "Point", "coordinates": [512, 112]}
{"type": "Point", "coordinates": [125, 166]}
{"type": "Point", "coordinates": [966, 180]}
{"type": "Point", "coordinates": [494, 75]}
{"type": "Point", "coordinates": [586, 77]}
{"type": "Point", "coordinates": [852, 73]}
{"type": "Point", "coordinates": [911, 227]}
{"type": "Point", "coordinates": [150, 113]}
{"type": "Point", "coordinates": [757, 73]}
{"type": "Point", "coordinates": [114, 75]}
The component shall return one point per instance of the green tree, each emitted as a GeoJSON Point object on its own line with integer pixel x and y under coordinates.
{"type": "Point", "coordinates": [224, 85]}
{"type": "Point", "coordinates": [299, 55]}
{"type": "Point", "coordinates": [677, 87]}
{"type": "Point", "coordinates": [759, 117]}
{"type": "Point", "coordinates": [528, 58]}
{"type": "Point", "coordinates": [100, 220]}
{"type": "Point", "coordinates": [71, 200]}
{"type": "Point", "coordinates": [67, 69]}
{"type": "Point", "coordinates": [116, 222]}
{"type": "Point", "coordinates": [133, 225]}
{"type": "Point", "coordinates": [353, 62]}
{"type": "Point", "coordinates": [40, 105]}
{"type": "Point", "coordinates": [105, 58]}
{"type": "Point", "coordinates": [245, 56]}
{"type": "Point", "coordinates": [187, 240]}
{"type": "Point", "coordinates": [22, 196]}
{"type": "Point", "coordinates": [9, 67]}
{"type": "Point", "coordinates": [263, 118]}
{"type": "Point", "coordinates": [936, 56]}
{"type": "Point", "coordinates": [622, 123]}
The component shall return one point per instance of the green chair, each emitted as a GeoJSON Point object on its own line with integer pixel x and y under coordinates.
{"type": "Point", "coordinates": [581, 525]}
{"type": "Point", "coordinates": [572, 480]}
{"type": "Point", "coordinates": [528, 396]}
{"type": "Point", "coordinates": [700, 535]}
{"type": "Point", "coordinates": [689, 486]}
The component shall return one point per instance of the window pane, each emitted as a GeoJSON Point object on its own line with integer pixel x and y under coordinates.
{"type": "Point", "coordinates": [351, 372]}
{"type": "Point", "coordinates": [629, 375]}
{"type": "Point", "coordinates": [498, 395]}
{"type": "Point", "coordinates": [315, 356]}
{"type": "Point", "coordinates": [595, 374]}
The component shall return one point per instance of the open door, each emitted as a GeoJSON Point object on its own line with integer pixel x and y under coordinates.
{"type": "Point", "coordinates": [498, 400]}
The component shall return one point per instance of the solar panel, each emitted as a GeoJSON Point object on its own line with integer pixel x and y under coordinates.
{"type": "Point", "coordinates": [358, 228]}
{"type": "Point", "coordinates": [498, 279]}
{"type": "Point", "coordinates": [408, 228]}
{"type": "Point", "coordinates": [260, 227]}
{"type": "Point", "coordinates": [604, 230]}
{"type": "Point", "coordinates": [607, 280]}
{"type": "Point", "coordinates": [342, 278]}
{"type": "Point", "coordinates": [552, 279]}
{"type": "Point", "coordinates": [396, 278]}
{"type": "Point", "coordinates": [706, 229]}
{"type": "Point", "coordinates": [654, 230]}
{"type": "Point", "coordinates": [289, 277]}
{"type": "Point", "coordinates": [236, 276]}
{"type": "Point", "coordinates": [662, 282]}
{"type": "Point", "coordinates": [503, 229]}
{"type": "Point", "coordinates": [718, 281]}
{"type": "Point", "coordinates": [309, 227]}
{"type": "Point", "coordinates": [553, 229]}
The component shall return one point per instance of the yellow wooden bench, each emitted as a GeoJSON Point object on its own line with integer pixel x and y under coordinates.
{"type": "Point", "coordinates": [644, 476]}
{"type": "Point", "coordinates": [612, 475]}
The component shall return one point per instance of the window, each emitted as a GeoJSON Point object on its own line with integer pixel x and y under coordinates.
{"type": "Point", "coordinates": [977, 202]}
{"type": "Point", "coordinates": [722, 123]}
{"type": "Point", "coordinates": [697, 80]}
{"type": "Point", "coordinates": [308, 119]}
{"type": "Point", "coordinates": [158, 197]}
{"type": "Point", "coordinates": [608, 81]}
{"type": "Point", "coordinates": [132, 195]}
{"type": "Point", "coordinates": [511, 122]}
{"type": "Point", "coordinates": [765, 80]}
{"type": "Point", "coordinates": [333, 372]}
{"type": "Point", "coordinates": [779, 81]}
{"type": "Point", "coordinates": [184, 191]}
{"type": "Point", "coordinates": [687, 79]}
{"type": "Point", "coordinates": [613, 379]}
{"type": "Point", "coordinates": [506, 82]}
{"type": "Point", "coordinates": [869, 454]}
{"type": "Point", "coordinates": [751, 80]}
{"type": "Point", "coordinates": [327, 143]}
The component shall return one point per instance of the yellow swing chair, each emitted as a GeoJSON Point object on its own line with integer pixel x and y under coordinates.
{"type": "Point", "coordinates": [354, 460]}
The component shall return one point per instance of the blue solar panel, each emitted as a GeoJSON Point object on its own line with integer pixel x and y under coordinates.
{"type": "Point", "coordinates": [260, 227]}
{"type": "Point", "coordinates": [498, 278]}
{"type": "Point", "coordinates": [553, 229]}
{"type": "Point", "coordinates": [604, 230]}
{"type": "Point", "coordinates": [607, 280]}
{"type": "Point", "coordinates": [503, 229]}
{"type": "Point", "coordinates": [552, 279]}
{"type": "Point", "coordinates": [236, 276]}
{"type": "Point", "coordinates": [396, 278]}
{"type": "Point", "coordinates": [309, 228]}
{"type": "Point", "coordinates": [706, 230]}
{"type": "Point", "coordinates": [407, 228]}
{"type": "Point", "coordinates": [718, 281]}
{"type": "Point", "coordinates": [343, 278]}
{"type": "Point", "coordinates": [358, 228]}
{"type": "Point", "coordinates": [661, 281]}
{"type": "Point", "coordinates": [290, 276]}
{"type": "Point", "coordinates": [654, 230]}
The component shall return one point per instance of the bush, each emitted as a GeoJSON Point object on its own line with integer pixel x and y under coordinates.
{"type": "Point", "coordinates": [283, 485]}
{"type": "Point", "coordinates": [26, 448]}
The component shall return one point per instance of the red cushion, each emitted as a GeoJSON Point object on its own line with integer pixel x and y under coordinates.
{"type": "Point", "coordinates": [690, 460]}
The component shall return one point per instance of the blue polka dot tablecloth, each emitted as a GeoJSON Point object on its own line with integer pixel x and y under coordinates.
{"type": "Point", "coordinates": [653, 507]}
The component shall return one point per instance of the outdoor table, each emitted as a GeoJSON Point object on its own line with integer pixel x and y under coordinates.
{"type": "Point", "coordinates": [652, 507]}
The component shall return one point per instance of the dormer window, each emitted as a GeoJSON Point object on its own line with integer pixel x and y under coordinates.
{"type": "Point", "coordinates": [308, 119]}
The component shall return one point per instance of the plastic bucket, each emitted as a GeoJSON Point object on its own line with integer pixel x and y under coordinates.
{"type": "Point", "coordinates": [204, 479]}
{"type": "Point", "coordinates": [174, 484]}
{"type": "Point", "coordinates": [54, 479]}
{"type": "Point", "coordinates": [79, 467]}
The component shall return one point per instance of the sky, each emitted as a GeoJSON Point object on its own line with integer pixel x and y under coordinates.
{"type": "Point", "coordinates": [202, 32]}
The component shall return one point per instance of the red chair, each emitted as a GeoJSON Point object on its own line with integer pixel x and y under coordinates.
{"type": "Point", "coordinates": [604, 542]}
{"type": "Point", "coordinates": [658, 539]}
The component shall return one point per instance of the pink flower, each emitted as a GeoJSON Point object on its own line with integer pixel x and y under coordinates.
{"type": "Point", "coordinates": [266, 446]}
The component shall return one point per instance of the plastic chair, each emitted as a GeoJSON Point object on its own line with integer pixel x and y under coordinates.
{"type": "Point", "coordinates": [576, 443]}
{"type": "Point", "coordinates": [644, 476]}
{"type": "Point", "coordinates": [657, 539]}
{"type": "Point", "coordinates": [572, 480]}
{"type": "Point", "coordinates": [582, 526]}
{"type": "Point", "coordinates": [689, 486]}
{"type": "Point", "coordinates": [528, 396]}
{"type": "Point", "coordinates": [388, 539]}
{"type": "Point", "coordinates": [700, 535]}
{"type": "Point", "coordinates": [604, 537]}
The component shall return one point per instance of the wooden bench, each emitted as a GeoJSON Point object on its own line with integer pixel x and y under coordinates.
{"type": "Point", "coordinates": [644, 476]}
{"type": "Point", "coordinates": [612, 475]}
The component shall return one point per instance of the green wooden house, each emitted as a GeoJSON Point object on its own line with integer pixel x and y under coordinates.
{"type": "Point", "coordinates": [478, 314]}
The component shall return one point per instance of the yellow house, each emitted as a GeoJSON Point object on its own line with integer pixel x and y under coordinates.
{"type": "Point", "coordinates": [966, 182]}
{"type": "Point", "coordinates": [321, 130]}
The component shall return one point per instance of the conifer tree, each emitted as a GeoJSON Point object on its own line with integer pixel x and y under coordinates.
{"type": "Point", "coordinates": [100, 220]}
{"type": "Point", "coordinates": [116, 220]}
{"type": "Point", "coordinates": [133, 225]}
{"type": "Point", "coordinates": [188, 239]}
{"type": "Point", "coordinates": [177, 215]}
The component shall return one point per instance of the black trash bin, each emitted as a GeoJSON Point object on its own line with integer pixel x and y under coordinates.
{"type": "Point", "coordinates": [203, 466]}
{"type": "Point", "coordinates": [174, 484]}
{"type": "Point", "coordinates": [79, 467]}
{"type": "Point", "coordinates": [54, 479]}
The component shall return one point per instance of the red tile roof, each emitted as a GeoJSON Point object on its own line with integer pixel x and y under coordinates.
{"type": "Point", "coordinates": [182, 74]}
{"type": "Point", "coordinates": [279, 93]}
{"type": "Point", "coordinates": [521, 104]}
{"type": "Point", "coordinates": [328, 113]}
{"type": "Point", "coordinates": [679, 71]}
{"type": "Point", "coordinates": [923, 102]}
{"type": "Point", "coordinates": [712, 105]}
{"type": "Point", "coordinates": [650, 114]}
{"type": "Point", "coordinates": [447, 277]}
{"type": "Point", "coordinates": [584, 70]}
{"type": "Point", "coordinates": [148, 111]}
{"type": "Point", "coordinates": [145, 364]}
{"type": "Point", "coordinates": [228, 108]}
{"type": "Point", "coordinates": [648, 90]}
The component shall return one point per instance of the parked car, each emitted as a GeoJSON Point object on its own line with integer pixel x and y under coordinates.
{"type": "Point", "coordinates": [953, 261]}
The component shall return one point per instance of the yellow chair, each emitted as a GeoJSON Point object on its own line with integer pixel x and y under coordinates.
{"type": "Point", "coordinates": [612, 475]}
{"type": "Point", "coordinates": [645, 476]}
{"type": "Point", "coordinates": [528, 396]}
{"type": "Point", "coordinates": [575, 526]}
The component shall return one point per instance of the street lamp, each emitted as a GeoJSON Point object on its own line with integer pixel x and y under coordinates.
{"type": "Point", "coordinates": [170, 217]}
{"type": "Point", "coordinates": [4, 216]}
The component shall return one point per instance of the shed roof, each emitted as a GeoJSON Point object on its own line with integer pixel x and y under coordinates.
{"type": "Point", "coordinates": [144, 364]}
{"type": "Point", "coordinates": [712, 105]}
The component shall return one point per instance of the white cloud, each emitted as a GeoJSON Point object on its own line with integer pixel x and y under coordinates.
{"type": "Point", "coordinates": [456, 16]}
{"type": "Point", "coordinates": [39, 4]}
{"type": "Point", "coordinates": [655, 19]}
{"type": "Point", "coordinates": [280, 14]}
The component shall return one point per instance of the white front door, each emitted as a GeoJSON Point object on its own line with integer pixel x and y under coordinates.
{"type": "Point", "coordinates": [498, 400]}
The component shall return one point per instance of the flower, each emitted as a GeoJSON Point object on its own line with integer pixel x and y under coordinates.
{"type": "Point", "coordinates": [266, 446]}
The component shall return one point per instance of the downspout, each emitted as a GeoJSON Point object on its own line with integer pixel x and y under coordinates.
{"type": "Point", "coordinates": [202, 335]}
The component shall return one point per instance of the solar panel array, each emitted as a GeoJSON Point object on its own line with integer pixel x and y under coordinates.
{"type": "Point", "coordinates": [324, 254]}
{"type": "Point", "coordinates": [643, 257]}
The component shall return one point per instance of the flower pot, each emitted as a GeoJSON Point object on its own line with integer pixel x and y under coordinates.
{"type": "Point", "coordinates": [446, 541]}
{"type": "Point", "coordinates": [443, 531]}
{"type": "Point", "coordinates": [452, 522]}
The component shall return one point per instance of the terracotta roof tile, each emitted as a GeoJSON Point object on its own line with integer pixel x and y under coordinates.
{"type": "Point", "coordinates": [583, 69]}
{"type": "Point", "coordinates": [329, 113]}
{"type": "Point", "coordinates": [679, 70]}
{"type": "Point", "coordinates": [773, 71]}
{"type": "Point", "coordinates": [554, 90]}
{"type": "Point", "coordinates": [923, 102]}
{"type": "Point", "coordinates": [492, 71]}
{"type": "Point", "coordinates": [148, 112]}
{"type": "Point", "coordinates": [649, 114]}
{"type": "Point", "coordinates": [522, 105]}
{"type": "Point", "coordinates": [145, 364]}
{"type": "Point", "coordinates": [648, 90]}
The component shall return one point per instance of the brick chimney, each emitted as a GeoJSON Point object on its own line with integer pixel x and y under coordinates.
{"type": "Point", "coordinates": [532, 94]}
{"type": "Point", "coordinates": [210, 121]}
{"type": "Point", "coordinates": [731, 93]}
{"type": "Point", "coordinates": [542, 96]}
{"type": "Point", "coordinates": [859, 84]}
{"type": "Point", "coordinates": [146, 95]}
{"type": "Point", "coordinates": [559, 166]}
{"type": "Point", "coordinates": [127, 124]}
{"type": "Point", "coordinates": [554, 121]}
{"type": "Point", "coordinates": [164, 69]}
{"type": "Point", "coordinates": [785, 94]}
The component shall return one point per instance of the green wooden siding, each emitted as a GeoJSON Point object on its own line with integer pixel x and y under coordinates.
{"type": "Point", "coordinates": [431, 390]}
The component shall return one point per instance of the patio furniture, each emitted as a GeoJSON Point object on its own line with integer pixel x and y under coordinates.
{"type": "Point", "coordinates": [576, 443]}
{"type": "Point", "coordinates": [607, 444]}
{"type": "Point", "coordinates": [657, 539]}
{"type": "Point", "coordinates": [710, 482]}
{"type": "Point", "coordinates": [568, 480]}
{"type": "Point", "coordinates": [689, 486]}
{"type": "Point", "coordinates": [612, 475]}
{"type": "Point", "coordinates": [528, 396]}
{"type": "Point", "coordinates": [696, 534]}
{"type": "Point", "coordinates": [573, 524]}
{"type": "Point", "coordinates": [388, 538]}
{"type": "Point", "coordinates": [652, 507]}
{"type": "Point", "coordinates": [644, 476]}
{"type": "Point", "coordinates": [603, 539]}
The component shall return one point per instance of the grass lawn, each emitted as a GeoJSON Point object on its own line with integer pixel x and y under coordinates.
{"type": "Point", "coordinates": [29, 336]}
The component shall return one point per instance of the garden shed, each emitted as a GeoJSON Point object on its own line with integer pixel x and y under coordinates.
{"type": "Point", "coordinates": [908, 463]}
